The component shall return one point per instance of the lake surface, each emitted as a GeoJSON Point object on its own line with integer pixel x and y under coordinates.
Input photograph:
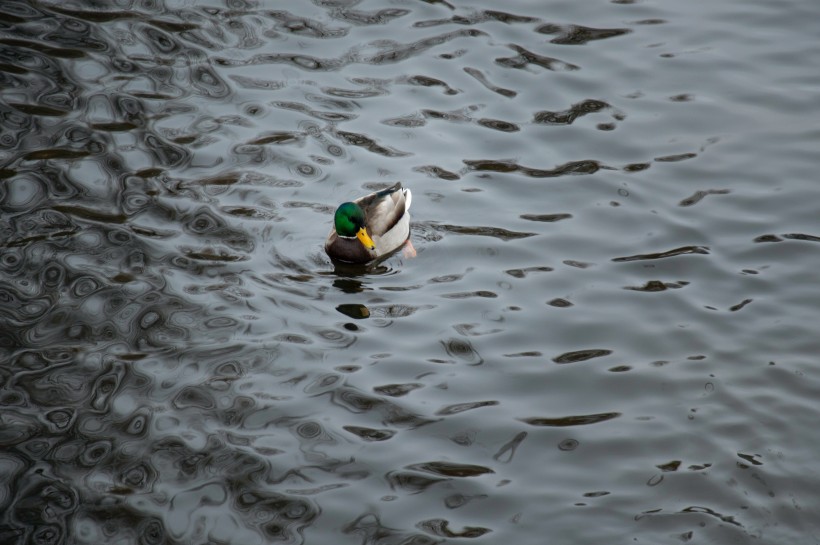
{"type": "Point", "coordinates": [608, 333]}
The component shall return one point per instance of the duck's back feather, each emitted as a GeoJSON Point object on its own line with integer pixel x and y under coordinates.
{"type": "Point", "coordinates": [383, 209]}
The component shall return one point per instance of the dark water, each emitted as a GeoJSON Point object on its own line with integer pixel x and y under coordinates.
{"type": "Point", "coordinates": [609, 333]}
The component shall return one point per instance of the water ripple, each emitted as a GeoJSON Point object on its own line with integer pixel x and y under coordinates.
{"type": "Point", "coordinates": [182, 365]}
{"type": "Point", "coordinates": [578, 34]}
{"type": "Point", "coordinates": [684, 250]}
{"type": "Point", "coordinates": [525, 58]}
{"type": "Point", "coordinates": [581, 355]}
{"type": "Point", "coordinates": [568, 421]}
{"type": "Point", "coordinates": [484, 231]}
{"type": "Point", "coordinates": [461, 407]}
{"type": "Point", "coordinates": [700, 195]}
{"type": "Point", "coordinates": [441, 528]}
{"type": "Point", "coordinates": [572, 168]}
{"type": "Point", "coordinates": [567, 117]}
{"type": "Point", "coordinates": [657, 285]}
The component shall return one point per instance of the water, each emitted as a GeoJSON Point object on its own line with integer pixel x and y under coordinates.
{"type": "Point", "coordinates": [607, 335]}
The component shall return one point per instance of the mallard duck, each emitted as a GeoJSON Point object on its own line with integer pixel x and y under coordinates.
{"type": "Point", "coordinates": [371, 226]}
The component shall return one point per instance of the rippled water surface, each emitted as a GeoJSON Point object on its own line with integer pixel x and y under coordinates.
{"type": "Point", "coordinates": [608, 333]}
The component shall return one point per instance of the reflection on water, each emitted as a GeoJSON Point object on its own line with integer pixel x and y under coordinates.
{"type": "Point", "coordinates": [606, 330]}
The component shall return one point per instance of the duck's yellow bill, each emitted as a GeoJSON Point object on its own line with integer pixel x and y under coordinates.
{"type": "Point", "coordinates": [365, 239]}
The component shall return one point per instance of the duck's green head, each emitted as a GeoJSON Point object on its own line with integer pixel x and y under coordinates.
{"type": "Point", "coordinates": [350, 222]}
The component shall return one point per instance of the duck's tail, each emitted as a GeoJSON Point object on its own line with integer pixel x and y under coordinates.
{"type": "Point", "coordinates": [408, 198]}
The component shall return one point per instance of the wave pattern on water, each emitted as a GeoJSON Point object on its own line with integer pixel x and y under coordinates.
{"type": "Point", "coordinates": [606, 329]}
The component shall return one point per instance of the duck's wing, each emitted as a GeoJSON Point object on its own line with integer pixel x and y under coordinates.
{"type": "Point", "coordinates": [384, 209]}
